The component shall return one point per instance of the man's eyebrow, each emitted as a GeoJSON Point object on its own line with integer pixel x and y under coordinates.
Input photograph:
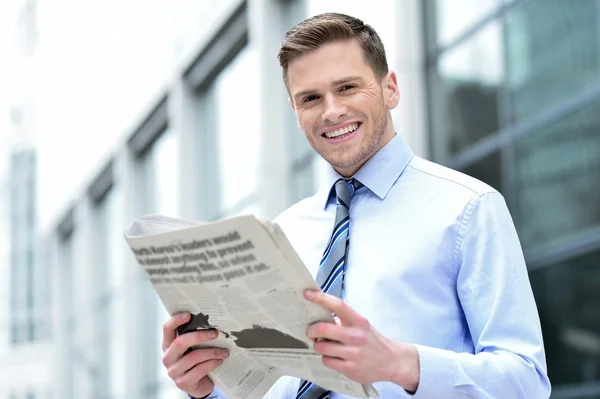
{"type": "Point", "coordinates": [345, 80]}
{"type": "Point", "coordinates": [334, 83]}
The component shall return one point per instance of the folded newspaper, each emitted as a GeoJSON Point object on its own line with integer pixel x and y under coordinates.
{"type": "Point", "coordinates": [242, 277]}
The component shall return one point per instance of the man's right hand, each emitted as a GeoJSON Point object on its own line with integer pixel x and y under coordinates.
{"type": "Point", "coordinates": [189, 370]}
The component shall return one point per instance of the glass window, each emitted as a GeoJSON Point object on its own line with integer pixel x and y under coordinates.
{"type": "Point", "coordinates": [558, 179]}
{"type": "Point", "coordinates": [488, 170]}
{"type": "Point", "coordinates": [116, 290]}
{"type": "Point", "coordinates": [160, 176]}
{"type": "Point", "coordinates": [309, 177]}
{"type": "Point", "coordinates": [454, 17]}
{"type": "Point", "coordinates": [568, 300]}
{"type": "Point", "coordinates": [465, 92]}
{"type": "Point", "coordinates": [110, 298]}
{"type": "Point", "coordinates": [300, 148]}
{"type": "Point", "coordinates": [66, 314]}
{"type": "Point", "coordinates": [553, 48]}
{"type": "Point", "coordinates": [321, 171]}
{"type": "Point", "coordinates": [237, 130]}
{"type": "Point", "coordinates": [302, 180]}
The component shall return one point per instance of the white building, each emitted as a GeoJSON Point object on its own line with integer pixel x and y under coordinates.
{"type": "Point", "coordinates": [178, 107]}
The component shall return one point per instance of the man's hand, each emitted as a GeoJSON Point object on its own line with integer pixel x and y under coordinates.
{"type": "Point", "coordinates": [354, 348]}
{"type": "Point", "coordinates": [189, 370]}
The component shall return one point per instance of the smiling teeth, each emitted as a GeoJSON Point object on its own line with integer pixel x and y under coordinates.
{"type": "Point", "coordinates": [344, 130]}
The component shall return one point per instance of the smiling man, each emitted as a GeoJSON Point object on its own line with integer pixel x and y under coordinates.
{"type": "Point", "coordinates": [432, 293]}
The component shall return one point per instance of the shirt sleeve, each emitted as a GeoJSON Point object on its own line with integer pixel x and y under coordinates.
{"type": "Point", "coordinates": [495, 294]}
{"type": "Point", "coordinates": [215, 394]}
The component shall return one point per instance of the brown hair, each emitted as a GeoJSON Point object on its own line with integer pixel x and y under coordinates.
{"type": "Point", "coordinates": [316, 31]}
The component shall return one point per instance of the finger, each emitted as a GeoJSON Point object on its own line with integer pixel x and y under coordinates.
{"type": "Point", "coordinates": [335, 363]}
{"type": "Point", "coordinates": [335, 305]}
{"type": "Point", "coordinates": [185, 341]}
{"type": "Point", "coordinates": [195, 357]}
{"type": "Point", "coordinates": [333, 332]}
{"type": "Point", "coordinates": [170, 328]}
{"type": "Point", "coordinates": [337, 350]}
{"type": "Point", "coordinates": [190, 380]}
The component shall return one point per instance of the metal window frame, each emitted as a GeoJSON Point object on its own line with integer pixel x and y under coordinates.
{"type": "Point", "coordinates": [509, 134]}
{"type": "Point", "coordinates": [67, 225]}
{"type": "Point", "coordinates": [503, 139]}
{"type": "Point", "coordinates": [226, 43]}
{"type": "Point", "coordinates": [572, 391]}
{"type": "Point", "coordinates": [435, 51]}
{"type": "Point", "coordinates": [151, 128]}
{"type": "Point", "coordinates": [102, 183]}
{"type": "Point", "coordinates": [584, 242]}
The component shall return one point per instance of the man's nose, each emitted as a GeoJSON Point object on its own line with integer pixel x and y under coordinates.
{"type": "Point", "coordinates": [334, 109]}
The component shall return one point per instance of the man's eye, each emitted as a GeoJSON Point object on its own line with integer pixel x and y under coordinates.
{"type": "Point", "coordinates": [309, 98]}
{"type": "Point", "coordinates": [347, 87]}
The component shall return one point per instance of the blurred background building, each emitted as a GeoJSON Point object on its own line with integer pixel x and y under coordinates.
{"type": "Point", "coordinates": [112, 109]}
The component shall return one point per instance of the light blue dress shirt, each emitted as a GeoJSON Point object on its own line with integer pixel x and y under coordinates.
{"type": "Point", "coordinates": [434, 260]}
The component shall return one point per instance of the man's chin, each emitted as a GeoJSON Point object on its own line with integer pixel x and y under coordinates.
{"type": "Point", "coordinates": [345, 167]}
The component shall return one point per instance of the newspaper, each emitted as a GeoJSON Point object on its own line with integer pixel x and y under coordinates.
{"type": "Point", "coordinates": [242, 277]}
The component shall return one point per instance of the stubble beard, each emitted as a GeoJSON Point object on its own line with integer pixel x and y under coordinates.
{"type": "Point", "coordinates": [355, 153]}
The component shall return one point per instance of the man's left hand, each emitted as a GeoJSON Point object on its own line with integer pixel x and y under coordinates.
{"type": "Point", "coordinates": [354, 348]}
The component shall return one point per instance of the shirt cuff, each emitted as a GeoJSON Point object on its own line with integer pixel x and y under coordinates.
{"type": "Point", "coordinates": [215, 394]}
{"type": "Point", "coordinates": [440, 372]}
{"type": "Point", "coordinates": [390, 387]}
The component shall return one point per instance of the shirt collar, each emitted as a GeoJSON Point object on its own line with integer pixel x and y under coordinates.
{"type": "Point", "coordinates": [379, 173]}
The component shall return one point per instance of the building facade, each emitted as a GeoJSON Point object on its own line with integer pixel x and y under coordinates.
{"type": "Point", "coordinates": [26, 349]}
{"type": "Point", "coordinates": [181, 110]}
{"type": "Point", "coordinates": [514, 100]}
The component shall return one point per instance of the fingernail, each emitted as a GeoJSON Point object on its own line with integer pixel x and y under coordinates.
{"type": "Point", "coordinates": [309, 294]}
{"type": "Point", "coordinates": [213, 334]}
{"type": "Point", "coordinates": [184, 316]}
{"type": "Point", "coordinates": [225, 352]}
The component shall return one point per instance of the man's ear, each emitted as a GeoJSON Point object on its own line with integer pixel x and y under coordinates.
{"type": "Point", "coordinates": [391, 91]}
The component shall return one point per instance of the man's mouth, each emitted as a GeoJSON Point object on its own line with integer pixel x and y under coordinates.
{"type": "Point", "coordinates": [342, 132]}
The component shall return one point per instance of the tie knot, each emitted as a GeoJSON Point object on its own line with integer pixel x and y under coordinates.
{"type": "Point", "coordinates": [344, 190]}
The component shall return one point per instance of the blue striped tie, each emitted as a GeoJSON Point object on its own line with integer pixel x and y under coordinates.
{"type": "Point", "coordinates": [333, 264]}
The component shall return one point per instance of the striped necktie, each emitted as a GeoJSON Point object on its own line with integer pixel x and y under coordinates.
{"type": "Point", "coordinates": [333, 264]}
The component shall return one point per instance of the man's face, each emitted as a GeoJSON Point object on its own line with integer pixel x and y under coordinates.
{"type": "Point", "coordinates": [341, 105]}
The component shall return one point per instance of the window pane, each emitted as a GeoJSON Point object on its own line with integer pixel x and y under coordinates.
{"type": "Point", "coordinates": [236, 130]}
{"type": "Point", "coordinates": [465, 88]}
{"type": "Point", "coordinates": [554, 48]}
{"type": "Point", "coordinates": [302, 182]}
{"type": "Point", "coordinates": [161, 175]}
{"type": "Point", "coordinates": [558, 178]}
{"type": "Point", "coordinates": [111, 300]}
{"type": "Point", "coordinates": [453, 17]}
{"type": "Point", "coordinates": [568, 299]}
{"type": "Point", "coordinates": [161, 196]}
{"type": "Point", "coordinates": [488, 170]}
{"type": "Point", "coordinates": [308, 179]}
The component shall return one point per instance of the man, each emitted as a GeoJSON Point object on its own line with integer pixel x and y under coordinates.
{"type": "Point", "coordinates": [436, 297]}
